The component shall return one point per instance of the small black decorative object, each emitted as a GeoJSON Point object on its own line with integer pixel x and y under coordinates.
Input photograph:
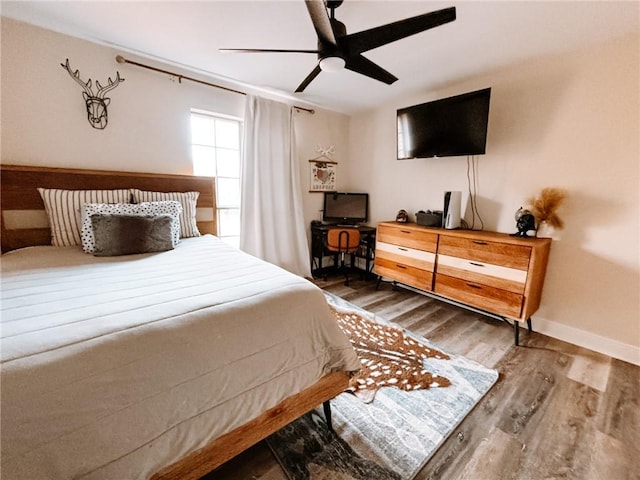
{"type": "Point", "coordinates": [402, 217]}
{"type": "Point", "coordinates": [525, 221]}
{"type": "Point", "coordinates": [96, 103]}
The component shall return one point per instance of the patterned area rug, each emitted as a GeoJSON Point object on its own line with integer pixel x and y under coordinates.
{"type": "Point", "coordinates": [390, 438]}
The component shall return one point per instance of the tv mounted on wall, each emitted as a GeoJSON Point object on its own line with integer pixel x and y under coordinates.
{"type": "Point", "coordinates": [448, 127]}
{"type": "Point", "coordinates": [345, 208]}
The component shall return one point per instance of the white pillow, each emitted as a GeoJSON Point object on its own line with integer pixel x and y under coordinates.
{"type": "Point", "coordinates": [63, 210]}
{"type": "Point", "coordinates": [139, 209]}
{"type": "Point", "coordinates": [188, 226]}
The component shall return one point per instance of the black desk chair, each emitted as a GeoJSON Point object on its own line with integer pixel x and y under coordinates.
{"type": "Point", "coordinates": [343, 241]}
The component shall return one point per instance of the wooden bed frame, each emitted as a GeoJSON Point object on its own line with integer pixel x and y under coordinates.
{"type": "Point", "coordinates": [24, 223]}
{"type": "Point", "coordinates": [229, 445]}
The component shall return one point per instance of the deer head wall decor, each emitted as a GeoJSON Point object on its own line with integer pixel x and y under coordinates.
{"type": "Point", "coordinates": [96, 104]}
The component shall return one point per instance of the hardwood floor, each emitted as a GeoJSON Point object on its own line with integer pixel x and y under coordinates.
{"type": "Point", "coordinates": [557, 410]}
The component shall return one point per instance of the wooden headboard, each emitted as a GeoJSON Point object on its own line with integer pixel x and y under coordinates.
{"type": "Point", "coordinates": [23, 218]}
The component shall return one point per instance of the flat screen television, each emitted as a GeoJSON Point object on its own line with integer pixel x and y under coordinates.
{"type": "Point", "coordinates": [448, 127]}
{"type": "Point", "coordinates": [345, 208]}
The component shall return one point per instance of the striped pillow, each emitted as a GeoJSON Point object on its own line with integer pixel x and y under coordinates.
{"type": "Point", "coordinates": [188, 226]}
{"type": "Point", "coordinates": [63, 210]}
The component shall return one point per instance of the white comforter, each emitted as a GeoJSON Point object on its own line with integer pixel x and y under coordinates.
{"type": "Point", "coordinates": [115, 367]}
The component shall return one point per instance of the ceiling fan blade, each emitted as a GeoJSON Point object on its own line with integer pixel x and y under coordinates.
{"type": "Point", "coordinates": [263, 50]}
{"type": "Point", "coordinates": [321, 21]}
{"type": "Point", "coordinates": [376, 37]}
{"type": "Point", "coordinates": [314, 73]}
{"type": "Point", "coordinates": [366, 67]}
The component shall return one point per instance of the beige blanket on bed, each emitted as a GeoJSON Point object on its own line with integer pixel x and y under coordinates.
{"type": "Point", "coordinates": [115, 367]}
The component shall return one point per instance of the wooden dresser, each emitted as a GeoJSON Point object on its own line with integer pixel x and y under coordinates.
{"type": "Point", "coordinates": [493, 273]}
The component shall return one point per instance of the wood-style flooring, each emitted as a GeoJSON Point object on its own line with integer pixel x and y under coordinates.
{"type": "Point", "coordinates": [557, 411]}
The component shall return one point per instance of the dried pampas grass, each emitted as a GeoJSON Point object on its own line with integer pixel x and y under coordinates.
{"type": "Point", "coordinates": [544, 207]}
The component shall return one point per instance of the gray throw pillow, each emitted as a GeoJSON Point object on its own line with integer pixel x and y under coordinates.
{"type": "Point", "coordinates": [130, 234]}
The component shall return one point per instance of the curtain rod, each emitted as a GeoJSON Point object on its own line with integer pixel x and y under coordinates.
{"type": "Point", "coordinates": [121, 59]}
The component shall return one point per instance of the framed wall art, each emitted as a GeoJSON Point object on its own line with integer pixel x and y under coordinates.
{"type": "Point", "coordinates": [322, 175]}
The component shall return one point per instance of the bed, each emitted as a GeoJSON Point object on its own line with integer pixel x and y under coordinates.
{"type": "Point", "coordinates": [160, 365]}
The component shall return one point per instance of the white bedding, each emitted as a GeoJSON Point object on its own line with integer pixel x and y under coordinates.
{"type": "Point", "coordinates": [115, 367]}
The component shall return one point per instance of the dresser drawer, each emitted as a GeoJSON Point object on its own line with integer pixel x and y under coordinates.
{"type": "Point", "coordinates": [407, 274]}
{"type": "Point", "coordinates": [496, 253]}
{"type": "Point", "coordinates": [405, 255]}
{"type": "Point", "coordinates": [505, 278]}
{"type": "Point", "coordinates": [491, 299]}
{"type": "Point", "coordinates": [408, 236]}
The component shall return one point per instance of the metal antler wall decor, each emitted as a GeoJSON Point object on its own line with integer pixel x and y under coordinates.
{"type": "Point", "coordinates": [96, 103]}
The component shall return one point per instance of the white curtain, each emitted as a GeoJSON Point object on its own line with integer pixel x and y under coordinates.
{"type": "Point", "coordinates": [271, 217]}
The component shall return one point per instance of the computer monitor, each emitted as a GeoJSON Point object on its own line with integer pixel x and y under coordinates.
{"type": "Point", "coordinates": [345, 208]}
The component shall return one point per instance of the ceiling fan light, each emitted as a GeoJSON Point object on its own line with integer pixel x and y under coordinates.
{"type": "Point", "coordinates": [332, 64]}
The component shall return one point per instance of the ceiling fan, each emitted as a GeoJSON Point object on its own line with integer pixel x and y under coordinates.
{"type": "Point", "coordinates": [337, 50]}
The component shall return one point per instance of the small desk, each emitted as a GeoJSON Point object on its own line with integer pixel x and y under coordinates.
{"type": "Point", "coordinates": [319, 250]}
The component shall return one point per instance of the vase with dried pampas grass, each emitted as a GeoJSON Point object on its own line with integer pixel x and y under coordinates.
{"type": "Point", "coordinates": [545, 208]}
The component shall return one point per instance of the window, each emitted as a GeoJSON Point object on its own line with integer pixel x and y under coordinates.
{"type": "Point", "coordinates": [215, 146]}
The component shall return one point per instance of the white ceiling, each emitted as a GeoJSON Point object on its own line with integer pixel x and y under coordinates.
{"type": "Point", "coordinates": [485, 36]}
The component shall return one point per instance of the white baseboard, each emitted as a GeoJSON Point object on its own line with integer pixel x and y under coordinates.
{"type": "Point", "coordinates": [597, 343]}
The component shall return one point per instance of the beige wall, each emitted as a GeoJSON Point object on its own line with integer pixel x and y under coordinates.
{"type": "Point", "coordinates": [323, 129]}
{"type": "Point", "coordinates": [44, 119]}
{"type": "Point", "coordinates": [568, 121]}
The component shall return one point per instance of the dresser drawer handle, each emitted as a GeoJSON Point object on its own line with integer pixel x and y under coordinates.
{"type": "Point", "coordinates": [406, 231]}
{"type": "Point", "coordinates": [401, 266]}
{"type": "Point", "coordinates": [476, 264]}
{"type": "Point", "coordinates": [478, 242]}
{"type": "Point", "coordinates": [474, 286]}
{"type": "Point", "coordinates": [403, 249]}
